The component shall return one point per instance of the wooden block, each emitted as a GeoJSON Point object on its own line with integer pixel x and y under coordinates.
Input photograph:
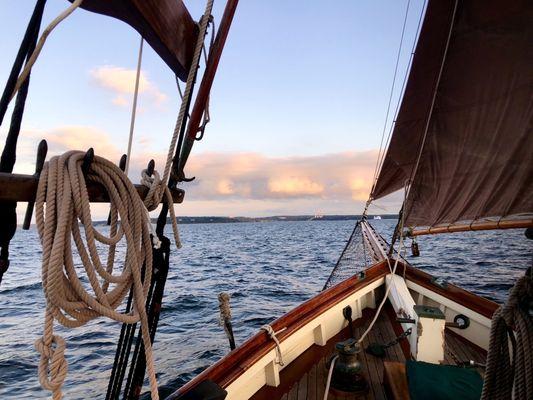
{"type": "Point", "coordinates": [395, 380]}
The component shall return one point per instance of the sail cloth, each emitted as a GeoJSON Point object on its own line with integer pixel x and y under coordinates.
{"type": "Point", "coordinates": [474, 60]}
{"type": "Point", "coordinates": [166, 25]}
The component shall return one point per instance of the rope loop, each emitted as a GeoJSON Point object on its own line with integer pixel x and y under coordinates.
{"type": "Point", "coordinates": [270, 332]}
{"type": "Point", "coordinates": [53, 367]}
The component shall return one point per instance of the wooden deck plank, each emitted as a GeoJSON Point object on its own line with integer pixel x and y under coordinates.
{"type": "Point", "coordinates": [302, 388]}
{"type": "Point", "coordinates": [311, 384]}
{"type": "Point", "coordinates": [293, 393]}
{"type": "Point", "coordinates": [378, 364]}
{"type": "Point", "coordinates": [395, 352]}
{"type": "Point", "coordinates": [371, 375]}
{"type": "Point", "coordinates": [321, 378]}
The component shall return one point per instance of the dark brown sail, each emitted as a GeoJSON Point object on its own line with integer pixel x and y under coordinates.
{"type": "Point", "coordinates": [467, 113]}
{"type": "Point", "coordinates": [166, 25]}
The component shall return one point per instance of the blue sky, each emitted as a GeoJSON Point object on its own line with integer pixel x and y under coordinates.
{"type": "Point", "coordinates": [300, 83]}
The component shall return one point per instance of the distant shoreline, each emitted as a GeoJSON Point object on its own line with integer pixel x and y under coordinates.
{"type": "Point", "coordinates": [275, 218]}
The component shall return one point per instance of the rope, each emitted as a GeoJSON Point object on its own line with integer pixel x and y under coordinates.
{"type": "Point", "coordinates": [27, 68]}
{"type": "Point", "coordinates": [157, 186]}
{"type": "Point", "coordinates": [270, 331]}
{"type": "Point", "coordinates": [393, 271]}
{"type": "Point", "coordinates": [134, 106]}
{"type": "Point", "coordinates": [503, 380]}
{"type": "Point", "coordinates": [62, 186]}
{"type": "Point", "coordinates": [391, 90]}
{"type": "Point", "coordinates": [381, 155]}
{"type": "Point", "coordinates": [188, 90]}
{"type": "Point", "coordinates": [330, 373]}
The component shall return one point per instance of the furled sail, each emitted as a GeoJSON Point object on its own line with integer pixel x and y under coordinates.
{"type": "Point", "coordinates": [166, 25]}
{"type": "Point", "coordinates": [463, 137]}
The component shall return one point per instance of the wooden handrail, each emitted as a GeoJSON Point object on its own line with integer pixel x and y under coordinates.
{"type": "Point", "coordinates": [19, 187]}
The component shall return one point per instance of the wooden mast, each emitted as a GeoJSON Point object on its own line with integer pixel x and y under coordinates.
{"type": "Point", "coordinates": [205, 86]}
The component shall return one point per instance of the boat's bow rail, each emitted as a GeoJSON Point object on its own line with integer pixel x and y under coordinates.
{"type": "Point", "coordinates": [255, 363]}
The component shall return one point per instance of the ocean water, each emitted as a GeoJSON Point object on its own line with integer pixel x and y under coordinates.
{"type": "Point", "coordinates": [268, 268]}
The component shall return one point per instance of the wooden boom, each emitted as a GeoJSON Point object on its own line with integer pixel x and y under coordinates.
{"type": "Point", "coordinates": [166, 25]}
{"type": "Point", "coordinates": [475, 226]}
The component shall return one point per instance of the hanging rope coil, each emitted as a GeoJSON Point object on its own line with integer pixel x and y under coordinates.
{"type": "Point", "coordinates": [62, 203]}
{"type": "Point", "coordinates": [505, 380]}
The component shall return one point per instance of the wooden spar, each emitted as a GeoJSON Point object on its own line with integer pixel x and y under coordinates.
{"type": "Point", "coordinates": [19, 187]}
{"type": "Point", "coordinates": [207, 81]}
{"type": "Point", "coordinates": [166, 25]}
{"type": "Point", "coordinates": [475, 226]}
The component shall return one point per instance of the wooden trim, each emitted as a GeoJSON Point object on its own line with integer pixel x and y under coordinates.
{"type": "Point", "coordinates": [19, 187]}
{"type": "Point", "coordinates": [228, 369]}
{"type": "Point", "coordinates": [239, 360]}
{"type": "Point", "coordinates": [475, 226]}
{"type": "Point", "coordinates": [469, 300]}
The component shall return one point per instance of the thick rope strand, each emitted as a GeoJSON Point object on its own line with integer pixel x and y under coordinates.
{"type": "Point", "coordinates": [506, 380]}
{"type": "Point", "coordinates": [62, 203]}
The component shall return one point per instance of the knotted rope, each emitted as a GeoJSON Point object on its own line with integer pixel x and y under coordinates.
{"type": "Point", "coordinates": [505, 380]}
{"type": "Point", "coordinates": [62, 203]}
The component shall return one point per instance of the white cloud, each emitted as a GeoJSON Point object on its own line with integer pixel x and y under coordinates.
{"type": "Point", "coordinates": [235, 183]}
{"type": "Point", "coordinates": [121, 81]}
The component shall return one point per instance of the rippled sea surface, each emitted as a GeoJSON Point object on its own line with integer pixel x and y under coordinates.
{"type": "Point", "coordinates": [268, 268]}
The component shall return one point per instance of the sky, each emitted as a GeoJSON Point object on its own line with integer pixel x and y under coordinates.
{"type": "Point", "coordinates": [297, 107]}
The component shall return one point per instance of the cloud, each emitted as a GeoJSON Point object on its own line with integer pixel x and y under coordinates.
{"type": "Point", "coordinates": [121, 81]}
{"type": "Point", "coordinates": [248, 184]}
{"type": "Point", "coordinates": [252, 176]}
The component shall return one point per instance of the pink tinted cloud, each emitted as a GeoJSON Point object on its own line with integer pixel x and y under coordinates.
{"type": "Point", "coordinates": [235, 183]}
{"type": "Point", "coordinates": [121, 81]}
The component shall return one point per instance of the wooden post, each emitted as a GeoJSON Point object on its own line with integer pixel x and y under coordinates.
{"type": "Point", "coordinates": [225, 317]}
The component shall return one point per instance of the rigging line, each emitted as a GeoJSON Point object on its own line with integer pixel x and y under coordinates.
{"type": "Point", "coordinates": [179, 127]}
{"type": "Point", "coordinates": [27, 68]}
{"type": "Point", "coordinates": [393, 271]}
{"type": "Point", "coordinates": [426, 128]}
{"type": "Point", "coordinates": [134, 106]}
{"type": "Point", "coordinates": [402, 91]}
{"type": "Point", "coordinates": [393, 85]}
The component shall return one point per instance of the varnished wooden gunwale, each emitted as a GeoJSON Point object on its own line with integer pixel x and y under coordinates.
{"type": "Point", "coordinates": [463, 297]}
{"type": "Point", "coordinates": [241, 359]}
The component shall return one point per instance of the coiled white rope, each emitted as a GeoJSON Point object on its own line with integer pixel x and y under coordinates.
{"type": "Point", "coordinates": [62, 203]}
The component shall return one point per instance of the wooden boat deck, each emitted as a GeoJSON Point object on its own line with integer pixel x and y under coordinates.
{"type": "Point", "coordinates": [305, 378]}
